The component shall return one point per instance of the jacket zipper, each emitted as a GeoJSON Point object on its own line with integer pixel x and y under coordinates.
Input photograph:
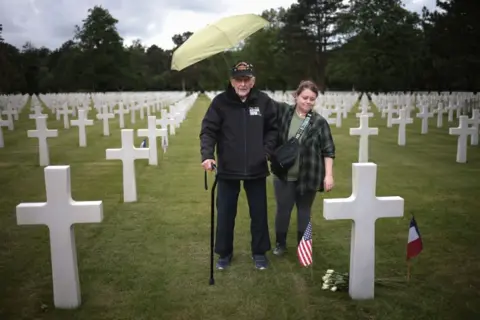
{"type": "Point", "coordinates": [245, 137]}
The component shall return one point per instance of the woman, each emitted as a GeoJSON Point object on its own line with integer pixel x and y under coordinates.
{"type": "Point", "coordinates": [313, 168]}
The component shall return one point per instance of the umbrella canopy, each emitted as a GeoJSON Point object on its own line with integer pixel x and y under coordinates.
{"type": "Point", "coordinates": [214, 38]}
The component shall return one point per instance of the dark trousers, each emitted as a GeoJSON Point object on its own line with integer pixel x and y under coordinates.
{"type": "Point", "coordinates": [227, 200]}
{"type": "Point", "coordinates": [287, 196]}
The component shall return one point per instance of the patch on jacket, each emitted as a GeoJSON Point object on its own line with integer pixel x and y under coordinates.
{"type": "Point", "coordinates": [255, 111]}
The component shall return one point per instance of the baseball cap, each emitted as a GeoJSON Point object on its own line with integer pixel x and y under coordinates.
{"type": "Point", "coordinates": [242, 69]}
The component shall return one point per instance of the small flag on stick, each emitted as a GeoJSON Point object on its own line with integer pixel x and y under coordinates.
{"type": "Point", "coordinates": [414, 245]}
{"type": "Point", "coordinates": [304, 250]}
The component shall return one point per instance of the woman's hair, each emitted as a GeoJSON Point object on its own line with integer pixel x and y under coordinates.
{"type": "Point", "coordinates": [306, 84]}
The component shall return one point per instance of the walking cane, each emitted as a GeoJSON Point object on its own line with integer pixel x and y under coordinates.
{"type": "Point", "coordinates": [212, 221]}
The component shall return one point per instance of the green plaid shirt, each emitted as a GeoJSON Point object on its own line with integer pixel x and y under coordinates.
{"type": "Point", "coordinates": [316, 144]}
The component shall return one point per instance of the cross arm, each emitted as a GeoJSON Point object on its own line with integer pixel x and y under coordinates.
{"type": "Point", "coordinates": [334, 209]}
{"type": "Point", "coordinates": [28, 213]}
{"type": "Point", "coordinates": [86, 211]}
{"type": "Point", "coordinates": [114, 154]}
{"type": "Point", "coordinates": [388, 207]}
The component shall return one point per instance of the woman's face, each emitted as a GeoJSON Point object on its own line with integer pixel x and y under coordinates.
{"type": "Point", "coordinates": [306, 100]}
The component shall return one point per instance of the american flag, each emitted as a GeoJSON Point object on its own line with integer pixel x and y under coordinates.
{"type": "Point", "coordinates": [304, 250]}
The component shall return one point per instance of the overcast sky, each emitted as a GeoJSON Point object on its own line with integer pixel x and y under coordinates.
{"type": "Point", "coordinates": [50, 23]}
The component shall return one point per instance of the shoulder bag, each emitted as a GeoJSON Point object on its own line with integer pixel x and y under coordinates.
{"type": "Point", "coordinates": [284, 157]}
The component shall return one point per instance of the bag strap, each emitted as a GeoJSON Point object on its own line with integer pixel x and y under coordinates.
{"type": "Point", "coordinates": [304, 125]}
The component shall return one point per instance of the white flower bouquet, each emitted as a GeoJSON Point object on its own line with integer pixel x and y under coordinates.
{"type": "Point", "coordinates": [334, 281]}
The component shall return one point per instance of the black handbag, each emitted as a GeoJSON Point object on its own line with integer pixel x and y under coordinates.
{"type": "Point", "coordinates": [284, 157]}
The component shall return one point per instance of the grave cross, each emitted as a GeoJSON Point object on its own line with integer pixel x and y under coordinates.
{"type": "Point", "coordinates": [440, 112]}
{"type": "Point", "coordinates": [65, 111]}
{"type": "Point", "coordinates": [402, 122]}
{"type": "Point", "coordinates": [364, 208]}
{"type": "Point", "coordinates": [133, 109]}
{"type": "Point", "coordinates": [59, 214]}
{"type": "Point", "coordinates": [37, 112]}
{"type": "Point", "coordinates": [10, 112]}
{"type": "Point", "coordinates": [338, 114]}
{"type": "Point", "coordinates": [81, 122]}
{"type": "Point", "coordinates": [121, 114]}
{"type": "Point", "coordinates": [390, 111]}
{"type": "Point", "coordinates": [451, 107]}
{"type": "Point", "coordinates": [128, 154]}
{"type": "Point", "coordinates": [42, 133]}
{"type": "Point", "coordinates": [363, 131]}
{"type": "Point", "coordinates": [3, 123]}
{"type": "Point", "coordinates": [105, 115]}
{"type": "Point", "coordinates": [462, 131]}
{"type": "Point", "coordinates": [364, 110]}
{"type": "Point", "coordinates": [424, 115]}
{"type": "Point", "coordinates": [475, 122]}
{"type": "Point", "coordinates": [152, 133]}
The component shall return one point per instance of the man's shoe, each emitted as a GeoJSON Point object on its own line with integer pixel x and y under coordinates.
{"type": "Point", "coordinates": [224, 262]}
{"type": "Point", "coordinates": [279, 250]}
{"type": "Point", "coordinates": [261, 261]}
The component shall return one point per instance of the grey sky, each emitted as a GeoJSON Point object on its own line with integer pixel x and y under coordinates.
{"type": "Point", "coordinates": [49, 23]}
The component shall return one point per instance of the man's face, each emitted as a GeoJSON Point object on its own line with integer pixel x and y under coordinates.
{"type": "Point", "coordinates": [242, 85]}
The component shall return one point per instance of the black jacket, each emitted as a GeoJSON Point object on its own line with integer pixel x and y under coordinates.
{"type": "Point", "coordinates": [244, 134]}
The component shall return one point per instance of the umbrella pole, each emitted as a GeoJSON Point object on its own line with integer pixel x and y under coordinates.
{"type": "Point", "coordinates": [217, 72]}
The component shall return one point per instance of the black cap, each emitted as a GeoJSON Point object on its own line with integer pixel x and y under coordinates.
{"type": "Point", "coordinates": [242, 69]}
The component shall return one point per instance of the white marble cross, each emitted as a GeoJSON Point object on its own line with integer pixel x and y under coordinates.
{"type": "Point", "coordinates": [402, 122]}
{"type": "Point", "coordinates": [128, 154]}
{"type": "Point", "coordinates": [363, 131]}
{"type": "Point", "coordinates": [424, 115]}
{"type": "Point", "coordinates": [451, 107]}
{"type": "Point", "coordinates": [440, 112]}
{"type": "Point", "coordinates": [364, 208]}
{"type": "Point", "coordinates": [3, 123]}
{"type": "Point", "coordinates": [105, 115]}
{"type": "Point", "coordinates": [338, 116]}
{"type": "Point", "coordinates": [59, 214]}
{"type": "Point", "coordinates": [65, 111]}
{"type": "Point", "coordinates": [475, 122]}
{"type": "Point", "coordinates": [121, 114]}
{"type": "Point", "coordinates": [364, 110]}
{"type": "Point", "coordinates": [462, 131]}
{"type": "Point", "coordinates": [42, 133]}
{"type": "Point", "coordinates": [390, 111]}
{"type": "Point", "coordinates": [81, 122]}
{"type": "Point", "coordinates": [152, 133]}
{"type": "Point", "coordinates": [163, 122]}
{"type": "Point", "coordinates": [133, 110]}
{"type": "Point", "coordinates": [10, 112]}
{"type": "Point", "coordinates": [37, 112]}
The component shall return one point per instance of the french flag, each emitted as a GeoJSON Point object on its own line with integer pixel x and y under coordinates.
{"type": "Point", "coordinates": [415, 245]}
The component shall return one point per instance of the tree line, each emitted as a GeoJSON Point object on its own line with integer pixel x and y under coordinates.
{"type": "Point", "coordinates": [366, 45]}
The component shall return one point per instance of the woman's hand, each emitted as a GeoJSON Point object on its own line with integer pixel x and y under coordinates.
{"type": "Point", "coordinates": [328, 183]}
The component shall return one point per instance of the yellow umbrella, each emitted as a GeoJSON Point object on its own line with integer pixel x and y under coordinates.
{"type": "Point", "coordinates": [214, 38]}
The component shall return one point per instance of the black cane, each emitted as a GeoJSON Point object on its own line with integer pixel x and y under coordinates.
{"type": "Point", "coordinates": [212, 221]}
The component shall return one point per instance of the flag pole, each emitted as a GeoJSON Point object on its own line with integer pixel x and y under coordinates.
{"type": "Point", "coordinates": [409, 265]}
{"type": "Point", "coordinates": [311, 266]}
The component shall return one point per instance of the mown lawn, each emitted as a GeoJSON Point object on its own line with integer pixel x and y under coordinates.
{"type": "Point", "coordinates": [150, 259]}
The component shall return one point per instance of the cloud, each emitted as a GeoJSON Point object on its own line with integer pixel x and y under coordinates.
{"type": "Point", "coordinates": [50, 23]}
{"type": "Point", "coordinates": [417, 5]}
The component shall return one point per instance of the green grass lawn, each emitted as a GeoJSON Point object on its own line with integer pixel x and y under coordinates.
{"type": "Point", "coordinates": [150, 259]}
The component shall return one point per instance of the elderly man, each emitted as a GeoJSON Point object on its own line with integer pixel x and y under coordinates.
{"type": "Point", "coordinates": [241, 123]}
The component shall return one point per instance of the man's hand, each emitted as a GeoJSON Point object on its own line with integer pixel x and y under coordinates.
{"type": "Point", "coordinates": [208, 164]}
